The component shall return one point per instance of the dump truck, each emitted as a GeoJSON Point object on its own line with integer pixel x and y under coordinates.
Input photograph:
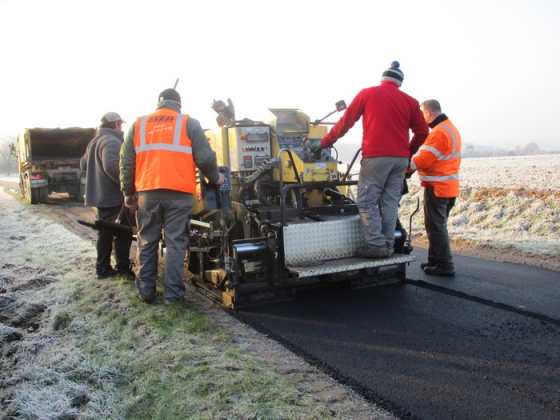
{"type": "Point", "coordinates": [49, 162]}
{"type": "Point", "coordinates": [285, 219]}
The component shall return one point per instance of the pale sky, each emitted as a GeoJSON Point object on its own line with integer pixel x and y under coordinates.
{"type": "Point", "coordinates": [494, 65]}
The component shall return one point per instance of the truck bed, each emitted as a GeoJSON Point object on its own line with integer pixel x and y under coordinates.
{"type": "Point", "coordinates": [58, 144]}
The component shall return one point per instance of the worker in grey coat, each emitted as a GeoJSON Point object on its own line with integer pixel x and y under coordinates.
{"type": "Point", "coordinates": [103, 193]}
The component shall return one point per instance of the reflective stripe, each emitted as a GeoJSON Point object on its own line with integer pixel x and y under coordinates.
{"type": "Point", "coordinates": [163, 146]}
{"type": "Point", "coordinates": [438, 178]}
{"type": "Point", "coordinates": [450, 131]}
{"type": "Point", "coordinates": [175, 147]}
{"type": "Point", "coordinates": [438, 154]}
{"type": "Point", "coordinates": [177, 132]}
{"type": "Point", "coordinates": [143, 130]}
{"type": "Point", "coordinates": [433, 150]}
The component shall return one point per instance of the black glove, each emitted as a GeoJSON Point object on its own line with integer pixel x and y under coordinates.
{"type": "Point", "coordinates": [405, 189]}
{"type": "Point", "coordinates": [316, 147]}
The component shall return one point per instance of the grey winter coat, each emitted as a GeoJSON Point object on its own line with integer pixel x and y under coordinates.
{"type": "Point", "coordinates": [101, 163]}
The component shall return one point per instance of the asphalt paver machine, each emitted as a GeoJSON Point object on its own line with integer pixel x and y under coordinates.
{"type": "Point", "coordinates": [284, 220]}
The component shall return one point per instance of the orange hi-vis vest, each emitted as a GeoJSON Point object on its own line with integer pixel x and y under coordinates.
{"type": "Point", "coordinates": [164, 158]}
{"type": "Point", "coordinates": [439, 159]}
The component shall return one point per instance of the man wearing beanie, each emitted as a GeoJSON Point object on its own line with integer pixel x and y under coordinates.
{"type": "Point", "coordinates": [388, 115]}
{"type": "Point", "coordinates": [103, 193]}
{"type": "Point", "coordinates": [158, 176]}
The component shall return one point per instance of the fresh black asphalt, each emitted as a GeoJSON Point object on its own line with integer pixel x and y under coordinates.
{"type": "Point", "coordinates": [484, 344]}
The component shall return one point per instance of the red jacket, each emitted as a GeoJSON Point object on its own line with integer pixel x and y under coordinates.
{"type": "Point", "coordinates": [387, 116]}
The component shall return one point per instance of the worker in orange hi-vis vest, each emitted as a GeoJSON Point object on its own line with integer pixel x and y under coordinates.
{"type": "Point", "coordinates": [158, 162]}
{"type": "Point", "coordinates": [437, 163]}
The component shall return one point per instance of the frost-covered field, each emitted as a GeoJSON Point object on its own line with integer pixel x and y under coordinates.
{"type": "Point", "coordinates": [510, 204]}
{"type": "Point", "coordinates": [529, 172]}
{"type": "Point", "coordinates": [506, 203]}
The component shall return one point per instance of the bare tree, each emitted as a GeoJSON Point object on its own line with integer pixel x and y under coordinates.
{"type": "Point", "coordinates": [8, 155]}
{"type": "Point", "coordinates": [531, 149]}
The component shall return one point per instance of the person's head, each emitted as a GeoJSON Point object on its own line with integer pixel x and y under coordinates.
{"type": "Point", "coordinates": [431, 110]}
{"type": "Point", "coordinates": [112, 120]}
{"type": "Point", "coordinates": [393, 74]}
{"type": "Point", "coordinates": [170, 95]}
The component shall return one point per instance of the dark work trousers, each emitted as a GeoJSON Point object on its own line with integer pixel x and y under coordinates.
{"type": "Point", "coordinates": [106, 242]}
{"type": "Point", "coordinates": [171, 215]}
{"type": "Point", "coordinates": [436, 213]}
{"type": "Point", "coordinates": [379, 191]}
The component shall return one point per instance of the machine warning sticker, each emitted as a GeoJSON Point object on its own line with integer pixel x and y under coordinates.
{"type": "Point", "coordinates": [320, 166]}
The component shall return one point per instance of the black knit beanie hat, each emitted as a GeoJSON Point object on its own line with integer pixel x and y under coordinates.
{"type": "Point", "coordinates": [170, 95]}
{"type": "Point", "coordinates": [393, 73]}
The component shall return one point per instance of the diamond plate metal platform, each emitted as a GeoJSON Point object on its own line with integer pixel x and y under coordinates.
{"type": "Point", "coordinates": [328, 247]}
{"type": "Point", "coordinates": [320, 268]}
{"type": "Point", "coordinates": [328, 240]}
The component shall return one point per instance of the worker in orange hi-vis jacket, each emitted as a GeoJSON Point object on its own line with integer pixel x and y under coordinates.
{"type": "Point", "coordinates": [437, 163]}
{"type": "Point", "coordinates": [158, 160]}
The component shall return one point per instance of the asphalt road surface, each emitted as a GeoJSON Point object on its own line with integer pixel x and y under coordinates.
{"type": "Point", "coordinates": [484, 344]}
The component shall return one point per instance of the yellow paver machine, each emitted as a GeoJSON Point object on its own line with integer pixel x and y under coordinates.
{"type": "Point", "coordinates": [285, 220]}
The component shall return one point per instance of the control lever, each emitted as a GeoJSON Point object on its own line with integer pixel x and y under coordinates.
{"type": "Point", "coordinates": [340, 106]}
{"type": "Point", "coordinates": [225, 188]}
{"type": "Point", "coordinates": [308, 142]}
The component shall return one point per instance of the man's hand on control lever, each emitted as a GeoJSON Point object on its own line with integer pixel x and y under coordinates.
{"type": "Point", "coordinates": [221, 179]}
{"type": "Point", "coordinates": [316, 147]}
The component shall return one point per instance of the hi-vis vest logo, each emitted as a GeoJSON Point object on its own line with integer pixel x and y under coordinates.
{"type": "Point", "coordinates": [161, 118]}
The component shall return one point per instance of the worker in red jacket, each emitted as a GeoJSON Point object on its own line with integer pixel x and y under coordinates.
{"type": "Point", "coordinates": [437, 163]}
{"type": "Point", "coordinates": [388, 115]}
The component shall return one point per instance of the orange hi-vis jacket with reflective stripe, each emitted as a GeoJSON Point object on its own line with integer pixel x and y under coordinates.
{"type": "Point", "coordinates": [164, 158]}
{"type": "Point", "coordinates": [439, 159]}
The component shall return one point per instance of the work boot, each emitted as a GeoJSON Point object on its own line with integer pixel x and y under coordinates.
{"type": "Point", "coordinates": [437, 270]}
{"type": "Point", "coordinates": [146, 299]}
{"type": "Point", "coordinates": [107, 274]}
{"type": "Point", "coordinates": [127, 274]}
{"type": "Point", "coordinates": [390, 249]}
{"type": "Point", "coordinates": [172, 301]}
{"type": "Point", "coordinates": [372, 251]}
{"type": "Point", "coordinates": [427, 264]}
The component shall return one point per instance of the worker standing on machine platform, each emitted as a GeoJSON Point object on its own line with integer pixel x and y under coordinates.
{"type": "Point", "coordinates": [438, 163]}
{"type": "Point", "coordinates": [158, 176]}
{"type": "Point", "coordinates": [388, 115]}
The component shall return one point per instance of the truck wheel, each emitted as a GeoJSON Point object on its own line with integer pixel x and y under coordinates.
{"type": "Point", "coordinates": [31, 194]}
{"type": "Point", "coordinates": [43, 194]}
{"type": "Point", "coordinates": [22, 186]}
{"type": "Point", "coordinates": [81, 193]}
